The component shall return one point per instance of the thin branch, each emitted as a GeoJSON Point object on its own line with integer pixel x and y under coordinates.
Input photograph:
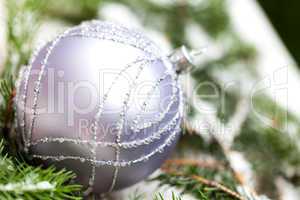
{"type": "Point", "coordinates": [202, 164]}
{"type": "Point", "coordinates": [205, 181]}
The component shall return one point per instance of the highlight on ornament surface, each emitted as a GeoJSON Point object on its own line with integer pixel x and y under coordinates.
{"type": "Point", "coordinates": [103, 101]}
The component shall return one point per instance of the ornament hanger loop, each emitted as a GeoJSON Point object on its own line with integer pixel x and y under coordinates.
{"type": "Point", "coordinates": [184, 59]}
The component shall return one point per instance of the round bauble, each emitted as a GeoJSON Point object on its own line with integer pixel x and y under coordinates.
{"type": "Point", "coordinates": [101, 100]}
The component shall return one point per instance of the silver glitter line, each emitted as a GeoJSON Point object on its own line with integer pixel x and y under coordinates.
{"type": "Point", "coordinates": [160, 149]}
{"type": "Point", "coordinates": [38, 83]}
{"type": "Point", "coordinates": [117, 33]}
{"type": "Point", "coordinates": [119, 164]}
{"type": "Point", "coordinates": [99, 113]}
{"type": "Point", "coordinates": [46, 140]}
{"type": "Point", "coordinates": [116, 172]}
{"type": "Point", "coordinates": [101, 105]}
{"type": "Point", "coordinates": [135, 127]}
{"type": "Point", "coordinates": [125, 145]}
{"type": "Point", "coordinates": [155, 136]}
{"type": "Point", "coordinates": [121, 123]}
{"type": "Point", "coordinates": [37, 91]}
{"type": "Point", "coordinates": [24, 97]}
{"type": "Point", "coordinates": [109, 39]}
{"type": "Point", "coordinates": [23, 75]}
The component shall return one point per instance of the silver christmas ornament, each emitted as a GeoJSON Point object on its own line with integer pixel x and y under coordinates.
{"type": "Point", "coordinates": [103, 101]}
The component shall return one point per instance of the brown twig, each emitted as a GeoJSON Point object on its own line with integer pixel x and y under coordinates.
{"type": "Point", "coordinates": [213, 164]}
{"type": "Point", "coordinates": [206, 182]}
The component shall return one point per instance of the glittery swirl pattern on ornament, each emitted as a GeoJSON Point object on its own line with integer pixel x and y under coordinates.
{"type": "Point", "coordinates": [163, 125]}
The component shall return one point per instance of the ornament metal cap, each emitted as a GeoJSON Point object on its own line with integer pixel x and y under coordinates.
{"type": "Point", "coordinates": [184, 59]}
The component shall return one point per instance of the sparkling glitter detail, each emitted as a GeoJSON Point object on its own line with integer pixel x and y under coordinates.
{"type": "Point", "coordinates": [99, 163]}
{"type": "Point", "coordinates": [142, 63]}
{"type": "Point", "coordinates": [124, 145]}
{"type": "Point", "coordinates": [119, 34]}
{"type": "Point", "coordinates": [121, 123]}
{"type": "Point", "coordinates": [26, 74]}
{"type": "Point", "coordinates": [137, 124]}
{"type": "Point", "coordinates": [38, 84]}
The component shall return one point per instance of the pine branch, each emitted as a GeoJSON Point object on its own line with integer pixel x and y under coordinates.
{"type": "Point", "coordinates": [177, 163]}
{"type": "Point", "coordinates": [136, 195]}
{"type": "Point", "coordinates": [160, 197]}
{"type": "Point", "coordinates": [208, 183]}
{"type": "Point", "coordinates": [21, 181]}
{"type": "Point", "coordinates": [199, 179]}
{"type": "Point", "coordinates": [7, 94]}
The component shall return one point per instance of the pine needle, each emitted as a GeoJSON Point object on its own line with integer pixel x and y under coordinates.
{"type": "Point", "coordinates": [21, 181]}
